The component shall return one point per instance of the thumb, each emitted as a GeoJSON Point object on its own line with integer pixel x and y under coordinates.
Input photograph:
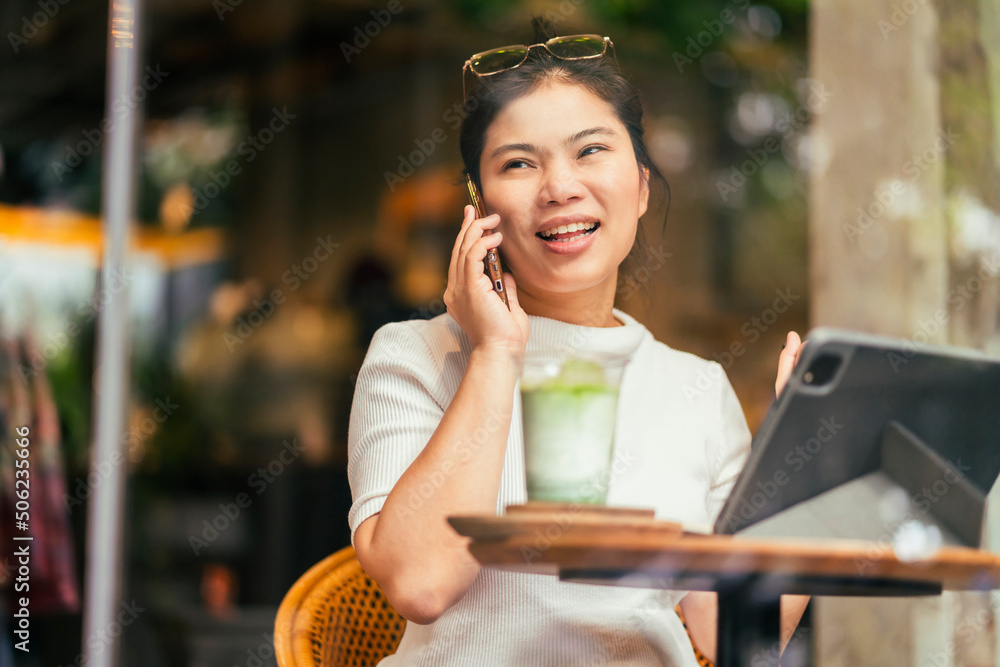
{"type": "Point", "coordinates": [786, 361]}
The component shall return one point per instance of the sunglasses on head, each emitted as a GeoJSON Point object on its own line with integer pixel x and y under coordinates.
{"type": "Point", "coordinates": [570, 47]}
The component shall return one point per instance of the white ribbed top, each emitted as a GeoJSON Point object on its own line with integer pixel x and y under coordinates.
{"type": "Point", "coordinates": [680, 442]}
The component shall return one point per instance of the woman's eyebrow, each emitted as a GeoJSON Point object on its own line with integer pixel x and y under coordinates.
{"type": "Point", "coordinates": [521, 148]}
{"type": "Point", "coordinates": [588, 132]}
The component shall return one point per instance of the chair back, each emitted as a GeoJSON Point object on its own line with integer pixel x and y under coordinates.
{"type": "Point", "coordinates": [335, 615]}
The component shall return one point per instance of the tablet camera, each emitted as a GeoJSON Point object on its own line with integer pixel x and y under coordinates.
{"type": "Point", "coordinates": [822, 370]}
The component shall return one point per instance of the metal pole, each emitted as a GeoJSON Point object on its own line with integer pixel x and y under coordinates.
{"type": "Point", "coordinates": [104, 554]}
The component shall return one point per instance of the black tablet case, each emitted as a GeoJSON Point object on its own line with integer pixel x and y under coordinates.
{"type": "Point", "coordinates": [891, 414]}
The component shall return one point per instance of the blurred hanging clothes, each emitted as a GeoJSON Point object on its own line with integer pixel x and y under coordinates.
{"type": "Point", "coordinates": [26, 400]}
{"type": "Point", "coordinates": [7, 500]}
{"type": "Point", "coordinates": [14, 409]}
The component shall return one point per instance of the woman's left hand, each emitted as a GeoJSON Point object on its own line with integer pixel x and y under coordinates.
{"type": "Point", "coordinates": [787, 360]}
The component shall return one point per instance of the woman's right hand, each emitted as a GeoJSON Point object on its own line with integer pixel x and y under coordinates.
{"type": "Point", "coordinates": [470, 298]}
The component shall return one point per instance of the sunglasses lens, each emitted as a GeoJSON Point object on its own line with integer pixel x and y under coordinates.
{"type": "Point", "coordinates": [497, 60]}
{"type": "Point", "coordinates": [576, 46]}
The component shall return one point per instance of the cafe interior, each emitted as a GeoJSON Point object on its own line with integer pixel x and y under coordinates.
{"type": "Point", "coordinates": [297, 185]}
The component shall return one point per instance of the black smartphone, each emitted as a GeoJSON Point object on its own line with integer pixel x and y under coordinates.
{"type": "Point", "coordinates": [491, 263]}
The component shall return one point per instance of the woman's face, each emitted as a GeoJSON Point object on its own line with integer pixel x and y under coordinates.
{"type": "Point", "coordinates": [554, 158]}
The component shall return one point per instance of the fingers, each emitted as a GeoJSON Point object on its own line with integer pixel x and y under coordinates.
{"type": "Point", "coordinates": [465, 271]}
{"type": "Point", "coordinates": [469, 216]}
{"type": "Point", "coordinates": [470, 234]}
{"type": "Point", "coordinates": [477, 251]}
{"type": "Point", "coordinates": [474, 277]}
{"type": "Point", "coordinates": [476, 230]}
{"type": "Point", "coordinates": [786, 361]}
{"type": "Point", "coordinates": [792, 343]}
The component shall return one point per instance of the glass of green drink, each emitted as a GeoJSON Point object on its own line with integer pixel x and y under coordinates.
{"type": "Point", "coordinates": [569, 408]}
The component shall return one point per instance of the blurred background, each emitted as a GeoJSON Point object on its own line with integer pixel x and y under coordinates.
{"type": "Point", "coordinates": [295, 193]}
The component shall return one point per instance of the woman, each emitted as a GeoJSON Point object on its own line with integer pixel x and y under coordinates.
{"type": "Point", "coordinates": [557, 148]}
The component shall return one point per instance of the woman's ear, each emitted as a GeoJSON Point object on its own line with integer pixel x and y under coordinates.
{"type": "Point", "coordinates": [643, 190]}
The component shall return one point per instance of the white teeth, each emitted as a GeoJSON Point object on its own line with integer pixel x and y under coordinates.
{"type": "Point", "coordinates": [568, 229]}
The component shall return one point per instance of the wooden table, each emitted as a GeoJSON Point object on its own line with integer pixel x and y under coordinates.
{"type": "Point", "coordinates": [630, 547]}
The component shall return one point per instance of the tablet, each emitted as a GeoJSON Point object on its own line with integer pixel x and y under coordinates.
{"type": "Point", "coordinates": [862, 415]}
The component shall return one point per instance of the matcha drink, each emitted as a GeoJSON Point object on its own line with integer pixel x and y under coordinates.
{"type": "Point", "coordinates": [569, 426]}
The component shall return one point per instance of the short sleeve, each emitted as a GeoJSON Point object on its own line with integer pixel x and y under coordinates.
{"type": "Point", "coordinates": [731, 446]}
{"type": "Point", "coordinates": [393, 416]}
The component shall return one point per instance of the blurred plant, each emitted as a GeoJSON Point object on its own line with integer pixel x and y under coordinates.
{"type": "Point", "coordinates": [188, 147]}
{"type": "Point", "coordinates": [185, 149]}
{"type": "Point", "coordinates": [179, 440]}
{"type": "Point", "coordinates": [183, 438]}
{"type": "Point", "coordinates": [671, 22]}
{"type": "Point", "coordinates": [182, 154]}
{"type": "Point", "coordinates": [70, 374]}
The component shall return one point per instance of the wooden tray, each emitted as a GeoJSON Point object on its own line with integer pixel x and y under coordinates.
{"type": "Point", "coordinates": [551, 520]}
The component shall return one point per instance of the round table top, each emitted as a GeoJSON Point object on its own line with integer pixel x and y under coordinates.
{"type": "Point", "coordinates": [630, 547]}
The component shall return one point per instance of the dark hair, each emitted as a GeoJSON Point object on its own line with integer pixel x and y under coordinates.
{"type": "Point", "coordinates": [600, 76]}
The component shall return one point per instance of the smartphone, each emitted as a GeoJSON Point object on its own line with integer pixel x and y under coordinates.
{"type": "Point", "coordinates": [491, 263]}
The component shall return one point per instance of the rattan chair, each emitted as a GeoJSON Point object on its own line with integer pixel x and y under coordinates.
{"type": "Point", "coordinates": [335, 615]}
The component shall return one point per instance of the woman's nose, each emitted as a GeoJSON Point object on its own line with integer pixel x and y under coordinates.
{"type": "Point", "coordinates": [560, 185]}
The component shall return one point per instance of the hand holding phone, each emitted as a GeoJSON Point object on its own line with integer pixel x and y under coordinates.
{"type": "Point", "coordinates": [491, 263]}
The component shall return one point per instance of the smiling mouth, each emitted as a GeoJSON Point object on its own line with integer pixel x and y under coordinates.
{"type": "Point", "coordinates": [566, 233]}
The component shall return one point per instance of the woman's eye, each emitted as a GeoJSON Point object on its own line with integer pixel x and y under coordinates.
{"type": "Point", "coordinates": [587, 151]}
{"type": "Point", "coordinates": [513, 164]}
